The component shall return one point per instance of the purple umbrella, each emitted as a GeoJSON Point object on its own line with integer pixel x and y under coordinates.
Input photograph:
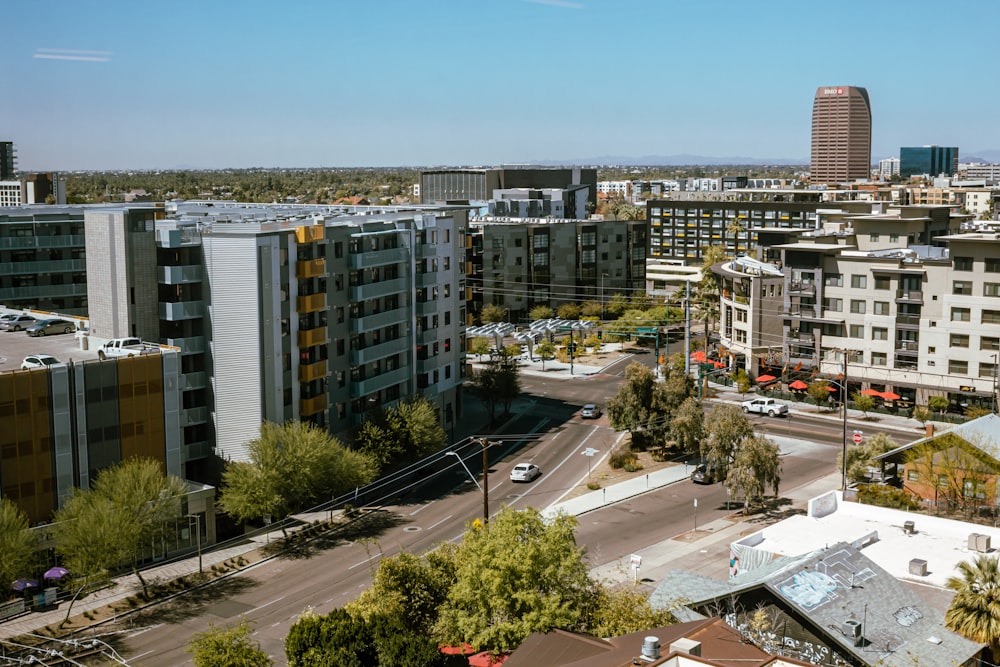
{"type": "Point", "coordinates": [55, 573]}
{"type": "Point", "coordinates": [21, 585]}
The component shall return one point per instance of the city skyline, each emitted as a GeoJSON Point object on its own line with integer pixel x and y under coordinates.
{"type": "Point", "coordinates": [113, 85]}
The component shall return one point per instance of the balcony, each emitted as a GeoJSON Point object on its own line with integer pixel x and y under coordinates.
{"type": "Point", "coordinates": [52, 266]}
{"type": "Point", "coordinates": [429, 279]}
{"type": "Point", "coordinates": [377, 290]}
{"type": "Point", "coordinates": [380, 382]}
{"type": "Point", "coordinates": [908, 322]}
{"type": "Point", "coordinates": [311, 406]}
{"type": "Point", "coordinates": [310, 268]}
{"type": "Point", "coordinates": [310, 303]}
{"type": "Point", "coordinates": [196, 451]}
{"type": "Point", "coordinates": [909, 296]}
{"type": "Point", "coordinates": [193, 416]}
{"type": "Point", "coordinates": [381, 351]}
{"type": "Point", "coordinates": [425, 307]}
{"type": "Point", "coordinates": [427, 336]}
{"type": "Point", "coordinates": [801, 288]}
{"type": "Point", "coordinates": [367, 260]}
{"type": "Point", "coordinates": [180, 275]}
{"type": "Point", "coordinates": [178, 238]}
{"type": "Point", "coordinates": [801, 338]}
{"type": "Point", "coordinates": [198, 380]}
{"type": "Point", "coordinates": [309, 233]}
{"type": "Point", "coordinates": [312, 337]}
{"type": "Point", "coordinates": [315, 371]}
{"type": "Point", "coordinates": [907, 346]}
{"type": "Point", "coordinates": [56, 291]}
{"type": "Point", "coordinates": [193, 345]}
{"type": "Point", "coordinates": [181, 310]}
{"type": "Point", "coordinates": [20, 242]}
{"type": "Point", "coordinates": [379, 320]}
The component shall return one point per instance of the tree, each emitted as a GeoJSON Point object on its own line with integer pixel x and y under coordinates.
{"type": "Point", "coordinates": [491, 312]}
{"type": "Point", "coordinates": [592, 309]}
{"type": "Point", "coordinates": [227, 647]}
{"type": "Point", "coordinates": [640, 403]}
{"type": "Point", "coordinates": [819, 391]}
{"type": "Point", "coordinates": [621, 610]}
{"type": "Point", "coordinates": [568, 311]}
{"type": "Point", "coordinates": [513, 350]}
{"type": "Point", "coordinates": [864, 402]}
{"type": "Point", "coordinates": [974, 612]}
{"type": "Point", "coordinates": [545, 350]}
{"type": "Point", "coordinates": [726, 427]}
{"type": "Point", "coordinates": [479, 346]}
{"type": "Point", "coordinates": [292, 467]}
{"type": "Point", "coordinates": [594, 343]}
{"type": "Point", "coordinates": [756, 465]}
{"type": "Point", "coordinates": [617, 305]}
{"type": "Point", "coordinates": [861, 457]}
{"type": "Point", "coordinates": [688, 425]}
{"type": "Point", "coordinates": [17, 544]}
{"type": "Point", "coordinates": [408, 430]}
{"type": "Point", "coordinates": [938, 403]}
{"type": "Point", "coordinates": [921, 413]}
{"type": "Point", "coordinates": [741, 380]}
{"type": "Point", "coordinates": [498, 382]}
{"type": "Point", "coordinates": [541, 312]}
{"type": "Point", "coordinates": [520, 575]}
{"type": "Point", "coordinates": [706, 295]}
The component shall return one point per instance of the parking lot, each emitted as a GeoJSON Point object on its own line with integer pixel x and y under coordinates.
{"type": "Point", "coordinates": [16, 345]}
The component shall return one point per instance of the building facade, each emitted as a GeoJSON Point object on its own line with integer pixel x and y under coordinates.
{"type": "Point", "coordinates": [8, 161]}
{"type": "Point", "coordinates": [520, 263]}
{"type": "Point", "coordinates": [928, 160]}
{"type": "Point", "coordinates": [464, 185]}
{"type": "Point", "coordinates": [888, 167]}
{"type": "Point", "coordinates": [841, 135]}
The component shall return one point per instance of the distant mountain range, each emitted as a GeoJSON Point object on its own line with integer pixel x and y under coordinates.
{"type": "Point", "coordinates": [685, 159]}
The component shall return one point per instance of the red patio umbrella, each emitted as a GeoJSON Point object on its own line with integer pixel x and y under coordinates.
{"type": "Point", "coordinates": [798, 384]}
{"type": "Point", "coordinates": [871, 392]}
{"type": "Point", "coordinates": [761, 379]}
{"type": "Point", "coordinates": [889, 396]}
{"type": "Point", "coordinates": [698, 355]}
{"type": "Point", "coordinates": [831, 389]}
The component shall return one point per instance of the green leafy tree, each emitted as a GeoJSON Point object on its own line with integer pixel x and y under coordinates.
{"type": "Point", "coordinates": [706, 296]}
{"type": "Point", "coordinates": [594, 343]}
{"type": "Point", "coordinates": [741, 380]}
{"type": "Point", "coordinates": [974, 612]}
{"type": "Point", "coordinates": [498, 383]}
{"type": "Point", "coordinates": [621, 610]}
{"type": "Point", "coordinates": [17, 544]}
{"type": "Point", "coordinates": [592, 309]}
{"type": "Point", "coordinates": [479, 346]}
{"type": "Point", "coordinates": [491, 312]}
{"type": "Point", "coordinates": [513, 350]}
{"type": "Point", "coordinates": [640, 404]}
{"type": "Point", "coordinates": [569, 311]}
{"type": "Point", "coordinates": [861, 457]}
{"type": "Point", "coordinates": [541, 312]}
{"type": "Point", "coordinates": [545, 350]}
{"type": "Point", "coordinates": [756, 466]}
{"type": "Point", "coordinates": [292, 466]}
{"type": "Point", "coordinates": [726, 427]}
{"type": "Point", "coordinates": [688, 425]}
{"type": "Point", "coordinates": [819, 391]}
{"type": "Point", "coordinates": [227, 647]}
{"type": "Point", "coordinates": [863, 402]}
{"type": "Point", "coordinates": [617, 305]}
{"type": "Point", "coordinates": [920, 412]}
{"type": "Point", "coordinates": [408, 430]}
{"type": "Point", "coordinates": [938, 403]}
{"type": "Point", "coordinates": [520, 575]}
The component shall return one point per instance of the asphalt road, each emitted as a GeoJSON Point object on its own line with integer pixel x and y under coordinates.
{"type": "Point", "coordinates": [548, 432]}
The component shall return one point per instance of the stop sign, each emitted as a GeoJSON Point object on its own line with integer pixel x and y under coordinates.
{"type": "Point", "coordinates": [857, 437]}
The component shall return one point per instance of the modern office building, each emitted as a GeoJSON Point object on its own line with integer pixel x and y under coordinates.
{"type": "Point", "coordinates": [8, 161]}
{"type": "Point", "coordinates": [520, 263]}
{"type": "Point", "coordinates": [281, 312]}
{"type": "Point", "coordinates": [841, 135]}
{"type": "Point", "coordinates": [464, 185]}
{"type": "Point", "coordinates": [928, 160]}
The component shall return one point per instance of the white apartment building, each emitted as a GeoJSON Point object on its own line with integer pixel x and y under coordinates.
{"type": "Point", "coordinates": [888, 167]}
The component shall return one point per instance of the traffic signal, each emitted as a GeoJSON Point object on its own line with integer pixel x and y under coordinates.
{"type": "Point", "coordinates": [600, 334]}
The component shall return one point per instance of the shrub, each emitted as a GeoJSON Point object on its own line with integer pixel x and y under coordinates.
{"type": "Point", "coordinates": [631, 466]}
{"type": "Point", "coordinates": [887, 496]}
{"type": "Point", "coordinates": [621, 455]}
{"type": "Point", "coordinates": [593, 486]}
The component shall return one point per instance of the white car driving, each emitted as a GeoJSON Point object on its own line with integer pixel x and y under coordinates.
{"type": "Point", "coordinates": [524, 472]}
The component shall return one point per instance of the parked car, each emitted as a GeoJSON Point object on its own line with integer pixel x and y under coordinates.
{"type": "Point", "coordinates": [46, 327]}
{"type": "Point", "coordinates": [590, 411]}
{"type": "Point", "coordinates": [765, 406]}
{"type": "Point", "coordinates": [38, 361]}
{"type": "Point", "coordinates": [524, 472]}
{"type": "Point", "coordinates": [702, 475]}
{"type": "Point", "coordinates": [16, 322]}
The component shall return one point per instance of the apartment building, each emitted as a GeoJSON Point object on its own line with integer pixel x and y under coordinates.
{"type": "Point", "coordinates": [520, 263]}
{"type": "Point", "coordinates": [315, 313]}
{"type": "Point", "coordinates": [441, 186]}
{"type": "Point", "coordinates": [904, 293]}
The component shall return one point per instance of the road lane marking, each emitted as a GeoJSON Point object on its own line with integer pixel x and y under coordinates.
{"type": "Point", "coordinates": [136, 657]}
{"type": "Point", "coordinates": [577, 451]}
{"type": "Point", "coordinates": [440, 522]}
{"type": "Point", "coordinates": [266, 604]}
{"type": "Point", "coordinates": [365, 561]}
{"type": "Point", "coordinates": [422, 507]}
{"type": "Point", "coordinates": [147, 629]}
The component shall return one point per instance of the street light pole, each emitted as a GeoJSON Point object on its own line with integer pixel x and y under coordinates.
{"type": "Point", "coordinates": [197, 532]}
{"type": "Point", "coordinates": [486, 481]}
{"type": "Point", "coordinates": [603, 276]}
{"type": "Point", "coordinates": [843, 389]}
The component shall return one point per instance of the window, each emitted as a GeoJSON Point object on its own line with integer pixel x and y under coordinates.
{"type": "Point", "coordinates": [873, 237]}
{"type": "Point", "coordinates": [962, 263]}
{"type": "Point", "coordinates": [857, 306]}
{"type": "Point", "coordinates": [881, 282]}
{"type": "Point", "coordinates": [833, 280]}
{"type": "Point", "coordinates": [961, 287]}
{"type": "Point", "coordinates": [879, 359]}
{"type": "Point", "coordinates": [893, 238]}
{"type": "Point", "coordinates": [880, 333]}
{"type": "Point", "coordinates": [741, 336]}
{"type": "Point", "coordinates": [912, 476]}
{"type": "Point", "coordinates": [960, 314]}
{"type": "Point", "coordinates": [991, 317]}
{"type": "Point", "coordinates": [859, 281]}
{"type": "Point", "coordinates": [834, 305]}
{"type": "Point", "coordinates": [881, 308]}
{"type": "Point", "coordinates": [989, 343]}
{"type": "Point", "coordinates": [956, 367]}
{"type": "Point", "coordinates": [857, 331]}
{"type": "Point", "coordinates": [987, 370]}
{"type": "Point", "coordinates": [991, 289]}
{"type": "Point", "coordinates": [741, 315]}
{"type": "Point", "coordinates": [959, 340]}
{"type": "Point", "coordinates": [992, 265]}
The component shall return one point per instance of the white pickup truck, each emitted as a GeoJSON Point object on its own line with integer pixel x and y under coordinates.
{"type": "Point", "coordinates": [125, 347]}
{"type": "Point", "coordinates": [765, 406]}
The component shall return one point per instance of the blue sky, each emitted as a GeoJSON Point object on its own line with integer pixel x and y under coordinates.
{"type": "Point", "coordinates": [98, 84]}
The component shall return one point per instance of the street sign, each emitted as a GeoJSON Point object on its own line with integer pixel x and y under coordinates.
{"type": "Point", "coordinates": [858, 437]}
{"type": "Point", "coordinates": [636, 560]}
{"type": "Point", "coordinates": [590, 451]}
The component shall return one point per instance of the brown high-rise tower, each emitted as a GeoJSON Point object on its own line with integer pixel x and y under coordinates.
{"type": "Point", "coordinates": [841, 135]}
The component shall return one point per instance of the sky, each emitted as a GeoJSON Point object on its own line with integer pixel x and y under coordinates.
{"type": "Point", "coordinates": [106, 85]}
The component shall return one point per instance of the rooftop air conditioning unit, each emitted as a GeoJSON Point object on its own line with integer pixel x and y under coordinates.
{"type": "Point", "coordinates": [979, 542]}
{"type": "Point", "coordinates": [852, 630]}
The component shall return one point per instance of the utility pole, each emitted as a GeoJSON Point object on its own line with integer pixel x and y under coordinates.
{"type": "Point", "coordinates": [486, 481]}
{"type": "Point", "coordinates": [687, 330]}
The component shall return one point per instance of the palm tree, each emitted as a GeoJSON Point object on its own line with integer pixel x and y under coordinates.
{"type": "Point", "coordinates": [975, 610]}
